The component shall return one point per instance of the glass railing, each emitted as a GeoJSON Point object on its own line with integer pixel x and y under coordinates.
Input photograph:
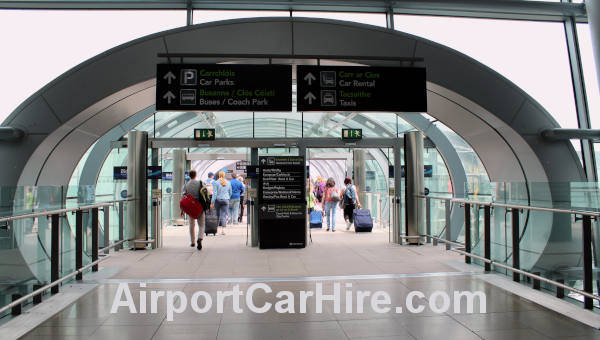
{"type": "Point", "coordinates": [26, 234]}
{"type": "Point", "coordinates": [538, 227]}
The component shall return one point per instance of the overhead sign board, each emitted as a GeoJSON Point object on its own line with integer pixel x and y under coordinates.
{"type": "Point", "coordinates": [223, 87]}
{"type": "Point", "coordinates": [359, 88]}
{"type": "Point", "coordinates": [204, 134]}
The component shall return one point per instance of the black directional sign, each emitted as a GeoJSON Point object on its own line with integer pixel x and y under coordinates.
{"type": "Point", "coordinates": [356, 88]}
{"type": "Point", "coordinates": [223, 87]}
{"type": "Point", "coordinates": [282, 202]}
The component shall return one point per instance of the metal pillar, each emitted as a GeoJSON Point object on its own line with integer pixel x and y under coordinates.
{"type": "Point", "coordinates": [254, 206]}
{"type": "Point", "coordinates": [581, 105]}
{"type": "Point", "coordinates": [94, 238]}
{"type": "Point", "coordinates": [106, 224]}
{"type": "Point", "coordinates": [79, 243]}
{"type": "Point", "coordinates": [137, 188]}
{"type": "Point", "coordinates": [515, 244]}
{"type": "Point", "coordinates": [55, 252]}
{"type": "Point", "coordinates": [154, 154]}
{"type": "Point", "coordinates": [487, 237]}
{"type": "Point", "coordinates": [397, 226]}
{"type": "Point", "coordinates": [588, 274]}
{"type": "Point", "coordinates": [415, 184]}
{"type": "Point", "coordinates": [360, 174]}
{"type": "Point", "coordinates": [178, 180]}
{"type": "Point", "coordinates": [448, 210]}
{"type": "Point", "coordinates": [467, 232]}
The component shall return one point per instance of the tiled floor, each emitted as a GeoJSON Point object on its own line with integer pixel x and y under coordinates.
{"type": "Point", "coordinates": [178, 267]}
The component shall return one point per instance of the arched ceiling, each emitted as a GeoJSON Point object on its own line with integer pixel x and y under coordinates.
{"type": "Point", "coordinates": [496, 118]}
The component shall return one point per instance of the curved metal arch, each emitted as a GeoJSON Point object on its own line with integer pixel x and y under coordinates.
{"type": "Point", "coordinates": [64, 118]}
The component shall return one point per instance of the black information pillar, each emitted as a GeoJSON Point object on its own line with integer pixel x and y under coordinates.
{"type": "Point", "coordinates": [282, 202]}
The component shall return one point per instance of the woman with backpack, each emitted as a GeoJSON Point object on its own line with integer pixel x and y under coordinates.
{"type": "Point", "coordinates": [220, 200]}
{"type": "Point", "coordinates": [194, 187]}
{"type": "Point", "coordinates": [331, 198]}
{"type": "Point", "coordinates": [349, 202]}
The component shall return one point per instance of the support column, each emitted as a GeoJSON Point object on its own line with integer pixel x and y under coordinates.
{"type": "Point", "coordinates": [154, 152]}
{"type": "Point", "coordinates": [415, 184]}
{"type": "Point", "coordinates": [178, 183]}
{"type": "Point", "coordinates": [397, 224]}
{"type": "Point", "coordinates": [137, 187]}
{"type": "Point", "coordinates": [360, 175]}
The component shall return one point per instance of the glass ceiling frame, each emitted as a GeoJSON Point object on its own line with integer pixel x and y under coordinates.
{"type": "Point", "coordinates": [496, 9]}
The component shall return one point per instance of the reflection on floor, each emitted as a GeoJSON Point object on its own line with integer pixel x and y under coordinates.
{"type": "Point", "coordinates": [226, 261]}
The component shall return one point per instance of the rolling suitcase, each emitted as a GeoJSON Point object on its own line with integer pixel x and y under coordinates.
{"type": "Point", "coordinates": [210, 224]}
{"type": "Point", "coordinates": [362, 220]}
{"type": "Point", "coordinates": [316, 219]}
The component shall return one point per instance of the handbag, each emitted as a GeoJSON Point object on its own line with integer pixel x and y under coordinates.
{"type": "Point", "coordinates": [190, 206]}
{"type": "Point", "coordinates": [335, 196]}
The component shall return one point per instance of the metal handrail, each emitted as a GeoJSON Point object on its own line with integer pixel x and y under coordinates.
{"type": "Point", "coordinates": [514, 206]}
{"type": "Point", "coordinates": [62, 211]}
{"type": "Point", "coordinates": [59, 281]}
{"type": "Point", "coordinates": [522, 272]}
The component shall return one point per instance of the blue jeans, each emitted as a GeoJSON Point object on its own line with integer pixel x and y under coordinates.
{"type": "Point", "coordinates": [221, 206]}
{"type": "Point", "coordinates": [234, 210]}
{"type": "Point", "coordinates": [330, 211]}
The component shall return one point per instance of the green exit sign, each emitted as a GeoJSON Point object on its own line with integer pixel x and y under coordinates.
{"type": "Point", "coordinates": [204, 134]}
{"type": "Point", "coordinates": [352, 134]}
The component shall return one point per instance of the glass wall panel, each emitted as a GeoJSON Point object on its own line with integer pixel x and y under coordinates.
{"type": "Point", "coordinates": [203, 16]}
{"type": "Point", "coordinates": [376, 19]}
{"type": "Point", "coordinates": [533, 55]}
{"type": "Point", "coordinates": [589, 73]}
{"type": "Point", "coordinates": [45, 44]}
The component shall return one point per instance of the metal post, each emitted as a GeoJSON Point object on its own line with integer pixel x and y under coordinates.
{"type": "Point", "coordinates": [487, 238]}
{"type": "Point", "coordinates": [37, 299]}
{"type": "Point", "coordinates": [536, 282]}
{"type": "Point", "coordinates": [79, 242]}
{"type": "Point", "coordinates": [94, 238]}
{"type": "Point", "coordinates": [121, 217]}
{"type": "Point", "coordinates": [428, 218]}
{"type": "Point", "coordinates": [587, 261]}
{"type": "Point", "coordinates": [55, 252]}
{"type": "Point", "coordinates": [106, 228]}
{"type": "Point", "coordinates": [560, 291]}
{"type": "Point", "coordinates": [16, 310]}
{"type": "Point", "coordinates": [448, 225]}
{"type": "Point", "coordinates": [467, 231]}
{"type": "Point", "coordinates": [515, 243]}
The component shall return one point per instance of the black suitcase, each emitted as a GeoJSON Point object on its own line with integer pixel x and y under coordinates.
{"type": "Point", "coordinates": [362, 220]}
{"type": "Point", "coordinates": [210, 224]}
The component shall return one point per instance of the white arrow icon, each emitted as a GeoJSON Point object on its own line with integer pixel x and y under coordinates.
{"type": "Point", "coordinates": [169, 96]}
{"type": "Point", "coordinates": [169, 77]}
{"type": "Point", "coordinates": [310, 97]}
{"type": "Point", "coordinates": [262, 161]}
{"type": "Point", "coordinates": [263, 209]}
{"type": "Point", "coordinates": [309, 78]}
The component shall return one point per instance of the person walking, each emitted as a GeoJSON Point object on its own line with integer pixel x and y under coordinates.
{"type": "Point", "coordinates": [220, 200]}
{"type": "Point", "coordinates": [349, 202]}
{"type": "Point", "coordinates": [242, 197]}
{"type": "Point", "coordinates": [237, 190]}
{"type": "Point", "coordinates": [331, 198]}
{"type": "Point", "coordinates": [193, 188]}
{"type": "Point", "coordinates": [209, 184]}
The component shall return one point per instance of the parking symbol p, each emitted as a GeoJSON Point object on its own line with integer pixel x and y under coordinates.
{"type": "Point", "coordinates": [189, 76]}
